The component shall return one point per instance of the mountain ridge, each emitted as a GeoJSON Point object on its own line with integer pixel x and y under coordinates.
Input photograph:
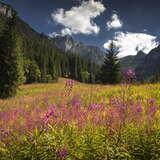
{"type": "Point", "coordinates": [68, 44]}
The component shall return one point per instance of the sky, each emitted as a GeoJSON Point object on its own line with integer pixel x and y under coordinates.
{"type": "Point", "coordinates": [132, 24]}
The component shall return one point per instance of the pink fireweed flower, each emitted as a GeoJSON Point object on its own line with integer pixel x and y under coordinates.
{"type": "Point", "coordinates": [62, 153]}
{"type": "Point", "coordinates": [153, 108]}
{"type": "Point", "coordinates": [136, 113]}
{"type": "Point", "coordinates": [152, 111]}
{"type": "Point", "coordinates": [94, 106]}
{"type": "Point", "coordinates": [120, 106]}
{"type": "Point", "coordinates": [51, 112]}
{"type": "Point", "coordinates": [70, 83]}
{"type": "Point", "coordinates": [130, 75]}
{"type": "Point", "coordinates": [75, 101]}
{"type": "Point", "coordinates": [152, 101]}
{"type": "Point", "coordinates": [138, 110]}
{"type": "Point", "coordinates": [68, 87]}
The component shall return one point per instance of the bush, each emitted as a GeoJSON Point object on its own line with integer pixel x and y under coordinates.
{"type": "Point", "coordinates": [32, 71]}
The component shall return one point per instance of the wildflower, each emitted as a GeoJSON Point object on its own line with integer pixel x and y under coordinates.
{"type": "Point", "coordinates": [68, 87]}
{"type": "Point", "coordinates": [130, 75]}
{"type": "Point", "coordinates": [152, 108]}
{"type": "Point", "coordinates": [75, 101]}
{"type": "Point", "coordinates": [62, 153]}
{"type": "Point", "coordinates": [94, 106]}
{"type": "Point", "coordinates": [50, 113]}
{"type": "Point", "coordinates": [138, 110]}
{"type": "Point", "coordinates": [151, 101]}
{"type": "Point", "coordinates": [152, 111]}
{"type": "Point", "coordinates": [70, 83]}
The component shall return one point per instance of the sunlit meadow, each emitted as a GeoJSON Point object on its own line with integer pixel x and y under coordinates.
{"type": "Point", "coordinates": [75, 121]}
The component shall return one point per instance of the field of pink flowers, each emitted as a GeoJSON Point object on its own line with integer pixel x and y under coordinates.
{"type": "Point", "coordinates": [73, 121]}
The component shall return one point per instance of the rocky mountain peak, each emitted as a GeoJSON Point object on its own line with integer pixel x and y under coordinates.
{"type": "Point", "coordinates": [68, 44]}
{"type": "Point", "coordinates": [6, 10]}
{"type": "Point", "coordinates": [141, 54]}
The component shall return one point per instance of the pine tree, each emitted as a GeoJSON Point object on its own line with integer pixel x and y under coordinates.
{"type": "Point", "coordinates": [9, 60]}
{"type": "Point", "coordinates": [110, 70]}
{"type": "Point", "coordinates": [20, 60]}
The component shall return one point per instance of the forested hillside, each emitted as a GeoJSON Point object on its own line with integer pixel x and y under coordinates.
{"type": "Point", "coordinates": [44, 62]}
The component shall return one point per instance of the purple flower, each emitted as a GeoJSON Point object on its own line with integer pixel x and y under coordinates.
{"type": "Point", "coordinates": [152, 107]}
{"type": "Point", "coordinates": [137, 110]}
{"type": "Point", "coordinates": [152, 111]}
{"type": "Point", "coordinates": [130, 75]}
{"type": "Point", "coordinates": [94, 106]}
{"type": "Point", "coordinates": [51, 112]}
{"type": "Point", "coordinates": [152, 101]}
{"type": "Point", "coordinates": [70, 83]}
{"type": "Point", "coordinates": [62, 153]}
{"type": "Point", "coordinates": [75, 101]}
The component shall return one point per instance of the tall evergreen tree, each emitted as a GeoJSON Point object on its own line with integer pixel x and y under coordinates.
{"type": "Point", "coordinates": [110, 70]}
{"type": "Point", "coordinates": [9, 60]}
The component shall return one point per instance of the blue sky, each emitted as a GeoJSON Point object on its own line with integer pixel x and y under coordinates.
{"type": "Point", "coordinates": [96, 22]}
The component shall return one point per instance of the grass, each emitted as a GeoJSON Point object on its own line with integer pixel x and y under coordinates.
{"type": "Point", "coordinates": [75, 121]}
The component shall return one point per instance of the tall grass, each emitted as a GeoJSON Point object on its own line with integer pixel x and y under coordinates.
{"type": "Point", "coordinates": [122, 122]}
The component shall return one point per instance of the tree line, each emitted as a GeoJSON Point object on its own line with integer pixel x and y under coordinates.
{"type": "Point", "coordinates": [29, 57]}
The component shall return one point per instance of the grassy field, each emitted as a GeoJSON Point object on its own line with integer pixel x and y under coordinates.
{"type": "Point", "coordinates": [75, 121]}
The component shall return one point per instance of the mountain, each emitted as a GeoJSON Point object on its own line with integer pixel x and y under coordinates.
{"type": "Point", "coordinates": [132, 61]}
{"type": "Point", "coordinates": [150, 66]}
{"type": "Point", "coordinates": [41, 53]}
{"type": "Point", "coordinates": [67, 44]}
{"type": "Point", "coordinates": [6, 10]}
{"type": "Point", "coordinates": [145, 65]}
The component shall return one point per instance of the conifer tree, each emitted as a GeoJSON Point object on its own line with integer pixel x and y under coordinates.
{"type": "Point", "coordinates": [110, 70]}
{"type": "Point", "coordinates": [9, 60]}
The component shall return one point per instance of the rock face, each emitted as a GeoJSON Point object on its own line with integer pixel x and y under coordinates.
{"type": "Point", "coordinates": [67, 44]}
{"type": "Point", "coordinates": [132, 61]}
{"type": "Point", "coordinates": [150, 65]}
{"type": "Point", "coordinates": [6, 10]}
{"type": "Point", "coordinates": [145, 65]}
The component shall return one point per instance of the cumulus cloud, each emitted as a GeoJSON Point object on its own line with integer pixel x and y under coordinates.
{"type": "Point", "coordinates": [79, 19]}
{"type": "Point", "coordinates": [130, 43]}
{"type": "Point", "coordinates": [64, 32]}
{"type": "Point", "coordinates": [114, 23]}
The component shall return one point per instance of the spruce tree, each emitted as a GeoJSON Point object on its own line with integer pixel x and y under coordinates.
{"type": "Point", "coordinates": [9, 60]}
{"type": "Point", "coordinates": [110, 70]}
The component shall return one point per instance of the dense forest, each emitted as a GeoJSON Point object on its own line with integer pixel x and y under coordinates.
{"type": "Point", "coordinates": [44, 62]}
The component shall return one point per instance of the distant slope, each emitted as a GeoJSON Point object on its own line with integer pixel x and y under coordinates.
{"type": "Point", "coordinates": [132, 61]}
{"type": "Point", "coordinates": [67, 44]}
{"type": "Point", "coordinates": [150, 65]}
{"type": "Point", "coordinates": [145, 65]}
{"type": "Point", "coordinates": [52, 61]}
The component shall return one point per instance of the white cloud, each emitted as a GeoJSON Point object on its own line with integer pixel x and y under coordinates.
{"type": "Point", "coordinates": [53, 34]}
{"type": "Point", "coordinates": [66, 31]}
{"type": "Point", "coordinates": [79, 19]}
{"type": "Point", "coordinates": [130, 43]}
{"type": "Point", "coordinates": [114, 23]}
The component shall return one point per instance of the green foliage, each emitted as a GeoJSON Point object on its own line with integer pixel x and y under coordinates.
{"type": "Point", "coordinates": [110, 70]}
{"type": "Point", "coordinates": [155, 78]}
{"type": "Point", "coordinates": [47, 79]}
{"type": "Point", "coordinates": [32, 72]}
{"type": "Point", "coordinates": [10, 60]}
{"type": "Point", "coordinates": [89, 143]}
{"type": "Point", "coordinates": [20, 59]}
{"type": "Point", "coordinates": [85, 76]}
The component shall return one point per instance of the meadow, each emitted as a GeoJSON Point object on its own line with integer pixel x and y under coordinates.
{"type": "Point", "coordinates": [69, 120]}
